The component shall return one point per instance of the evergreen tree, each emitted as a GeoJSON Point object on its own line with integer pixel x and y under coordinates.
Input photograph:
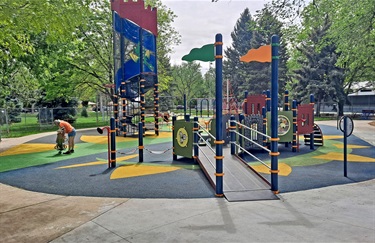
{"type": "Point", "coordinates": [233, 69]}
{"type": "Point", "coordinates": [318, 73]}
{"type": "Point", "coordinates": [249, 34]}
{"type": "Point", "coordinates": [266, 26]}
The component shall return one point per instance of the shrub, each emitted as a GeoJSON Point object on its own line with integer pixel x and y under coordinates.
{"type": "Point", "coordinates": [84, 112]}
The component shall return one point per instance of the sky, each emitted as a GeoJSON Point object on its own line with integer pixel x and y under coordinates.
{"type": "Point", "coordinates": [198, 21]}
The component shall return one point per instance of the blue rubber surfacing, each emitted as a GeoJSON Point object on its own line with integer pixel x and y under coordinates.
{"type": "Point", "coordinates": [187, 182]}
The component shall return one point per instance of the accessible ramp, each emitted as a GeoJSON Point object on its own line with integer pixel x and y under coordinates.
{"type": "Point", "coordinates": [240, 182]}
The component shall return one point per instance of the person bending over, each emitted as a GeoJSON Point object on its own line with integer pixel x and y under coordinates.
{"type": "Point", "coordinates": [70, 130]}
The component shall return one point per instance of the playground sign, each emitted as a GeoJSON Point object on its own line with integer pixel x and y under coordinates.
{"type": "Point", "coordinates": [183, 138]}
{"type": "Point", "coordinates": [346, 125]}
{"type": "Point", "coordinates": [284, 129]}
{"type": "Point", "coordinates": [348, 128]}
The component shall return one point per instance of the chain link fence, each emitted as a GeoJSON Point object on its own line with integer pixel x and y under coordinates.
{"type": "Point", "coordinates": [330, 109]}
{"type": "Point", "coordinates": [20, 122]}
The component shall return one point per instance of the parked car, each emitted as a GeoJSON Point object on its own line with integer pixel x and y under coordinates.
{"type": "Point", "coordinates": [180, 107]}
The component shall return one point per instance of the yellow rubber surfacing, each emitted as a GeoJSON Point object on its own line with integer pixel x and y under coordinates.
{"type": "Point", "coordinates": [133, 170]}
{"type": "Point", "coordinates": [28, 148]}
{"type": "Point", "coordinates": [127, 171]}
{"type": "Point", "coordinates": [340, 157]}
{"type": "Point", "coordinates": [97, 162]}
{"type": "Point", "coordinates": [284, 169]}
{"type": "Point", "coordinates": [341, 146]}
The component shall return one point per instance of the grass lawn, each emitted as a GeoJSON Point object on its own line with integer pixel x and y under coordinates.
{"type": "Point", "coordinates": [29, 125]}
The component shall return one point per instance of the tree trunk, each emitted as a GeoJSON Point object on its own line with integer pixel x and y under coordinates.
{"type": "Point", "coordinates": [341, 108]}
{"type": "Point", "coordinates": [317, 112]}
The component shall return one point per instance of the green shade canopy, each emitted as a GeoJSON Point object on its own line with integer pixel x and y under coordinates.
{"type": "Point", "coordinates": [206, 54]}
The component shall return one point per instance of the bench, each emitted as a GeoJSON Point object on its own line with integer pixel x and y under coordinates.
{"type": "Point", "coordinates": [367, 113]}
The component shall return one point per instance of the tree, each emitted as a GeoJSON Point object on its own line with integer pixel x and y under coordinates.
{"type": "Point", "coordinates": [353, 31]}
{"type": "Point", "coordinates": [249, 34]}
{"type": "Point", "coordinates": [318, 73]}
{"type": "Point", "coordinates": [187, 80]}
{"type": "Point", "coordinates": [209, 84]}
{"type": "Point", "coordinates": [266, 26]}
{"type": "Point", "coordinates": [65, 48]}
{"type": "Point", "coordinates": [19, 19]}
{"type": "Point", "coordinates": [10, 72]}
{"type": "Point", "coordinates": [167, 37]}
{"type": "Point", "coordinates": [26, 28]}
{"type": "Point", "coordinates": [233, 69]}
{"type": "Point", "coordinates": [91, 55]}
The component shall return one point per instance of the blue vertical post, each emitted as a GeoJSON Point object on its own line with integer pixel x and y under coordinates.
{"type": "Point", "coordinates": [345, 146]}
{"type": "Point", "coordinates": [268, 100]}
{"type": "Point", "coordinates": [195, 132]}
{"type": "Point", "coordinates": [219, 114]}
{"type": "Point", "coordinates": [113, 142]}
{"type": "Point", "coordinates": [140, 141]}
{"type": "Point", "coordinates": [274, 114]}
{"type": "Point", "coordinates": [232, 128]}
{"type": "Point", "coordinates": [174, 118]}
{"type": "Point", "coordinates": [295, 134]}
{"type": "Point", "coordinates": [312, 134]}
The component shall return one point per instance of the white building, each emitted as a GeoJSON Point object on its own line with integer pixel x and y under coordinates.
{"type": "Point", "coordinates": [363, 96]}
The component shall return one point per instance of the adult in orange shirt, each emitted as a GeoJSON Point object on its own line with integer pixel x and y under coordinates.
{"type": "Point", "coordinates": [67, 129]}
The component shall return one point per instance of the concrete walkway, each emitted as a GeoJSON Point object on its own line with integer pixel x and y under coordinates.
{"type": "Point", "coordinates": [344, 213]}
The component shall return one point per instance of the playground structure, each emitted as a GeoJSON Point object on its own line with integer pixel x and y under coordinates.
{"type": "Point", "coordinates": [135, 68]}
{"type": "Point", "coordinates": [135, 85]}
{"type": "Point", "coordinates": [184, 130]}
{"type": "Point", "coordinates": [135, 76]}
{"type": "Point", "coordinates": [262, 126]}
{"type": "Point", "coordinates": [230, 104]}
{"type": "Point", "coordinates": [291, 123]}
